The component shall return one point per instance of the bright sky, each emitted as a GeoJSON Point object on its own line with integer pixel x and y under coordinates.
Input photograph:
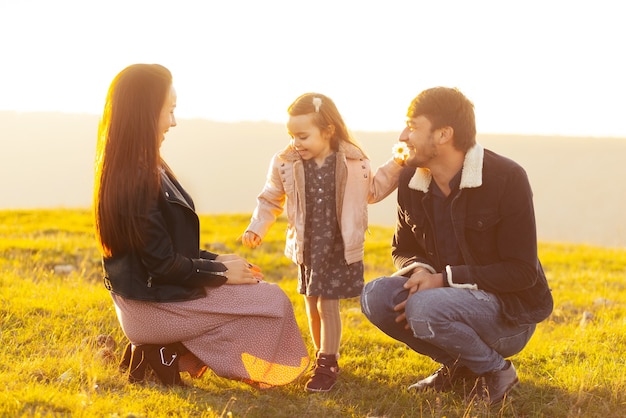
{"type": "Point", "coordinates": [534, 67]}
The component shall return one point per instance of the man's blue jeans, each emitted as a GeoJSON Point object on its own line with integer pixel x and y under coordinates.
{"type": "Point", "coordinates": [446, 324]}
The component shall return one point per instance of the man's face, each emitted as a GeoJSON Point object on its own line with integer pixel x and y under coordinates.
{"type": "Point", "coordinates": [420, 141]}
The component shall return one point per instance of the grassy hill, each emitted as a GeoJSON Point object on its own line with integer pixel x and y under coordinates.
{"type": "Point", "coordinates": [54, 307]}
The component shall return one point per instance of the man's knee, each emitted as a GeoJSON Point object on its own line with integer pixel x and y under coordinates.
{"type": "Point", "coordinates": [423, 308]}
{"type": "Point", "coordinates": [370, 297]}
{"type": "Point", "coordinates": [377, 297]}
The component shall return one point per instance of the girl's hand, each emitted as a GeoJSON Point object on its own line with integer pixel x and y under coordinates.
{"type": "Point", "coordinates": [400, 162]}
{"type": "Point", "coordinates": [241, 272]}
{"type": "Point", "coordinates": [400, 153]}
{"type": "Point", "coordinates": [250, 239]}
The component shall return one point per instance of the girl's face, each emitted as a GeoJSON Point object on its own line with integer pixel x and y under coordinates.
{"type": "Point", "coordinates": [308, 139]}
{"type": "Point", "coordinates": [166, 117]}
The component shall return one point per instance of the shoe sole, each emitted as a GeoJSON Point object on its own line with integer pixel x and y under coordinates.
{"type": "Point", "coordinates": [449, 387]}
{"type": "Point", "coordinates": [320, 390]}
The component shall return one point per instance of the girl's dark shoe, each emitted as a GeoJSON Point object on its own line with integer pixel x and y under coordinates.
{"type": "Point", "coordinates": [324, 375]}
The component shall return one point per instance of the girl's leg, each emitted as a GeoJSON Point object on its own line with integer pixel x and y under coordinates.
{"type": "Point", "coordinates": [326, 367]}
{"type": "Point", "coordinates": [313, 315]}
{"type": "Point", "coordinates": [330, 318]}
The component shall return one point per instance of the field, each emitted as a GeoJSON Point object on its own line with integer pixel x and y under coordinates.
{"type": "Point", "coordinates": [53, 307]}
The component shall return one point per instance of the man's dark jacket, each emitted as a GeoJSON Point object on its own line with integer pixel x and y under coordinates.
{"type": "Point", "coordinates": [494, 223]}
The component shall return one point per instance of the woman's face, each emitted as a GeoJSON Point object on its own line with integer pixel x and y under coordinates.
{"type": "Point", "coordinates": [167, 119]}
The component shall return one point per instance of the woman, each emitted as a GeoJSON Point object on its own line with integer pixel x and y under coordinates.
{"type": "Point", "coordinates": [182, 308]}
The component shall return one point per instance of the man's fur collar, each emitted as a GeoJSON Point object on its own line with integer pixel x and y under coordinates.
{"type": "Point", "coordinates": [349, 150]}
{"type": "Point", "coordinates": [471, 174]}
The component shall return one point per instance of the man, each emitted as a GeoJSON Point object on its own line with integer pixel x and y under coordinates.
{"type": "Point", "coordinates": [470, 288]}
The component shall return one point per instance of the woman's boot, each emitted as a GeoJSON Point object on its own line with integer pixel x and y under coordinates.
{"type": "Point", "coordinates": [161, 359]}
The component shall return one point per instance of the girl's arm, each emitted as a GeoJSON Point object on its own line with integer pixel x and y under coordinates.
{"type": "Point", "coordinates": [384, 181]}
{"type": "Point", "coordinates": [270, 204]}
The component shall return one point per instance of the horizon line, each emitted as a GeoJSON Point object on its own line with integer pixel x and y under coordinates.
{"type": "Point", "coordinates": [266, 121]}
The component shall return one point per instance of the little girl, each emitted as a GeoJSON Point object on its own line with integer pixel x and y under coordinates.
{"type": "Point", "coordinates": [327, 182]}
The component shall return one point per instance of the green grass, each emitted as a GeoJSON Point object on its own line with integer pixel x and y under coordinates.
{"type": "Point", "coordinates": [50, 366]}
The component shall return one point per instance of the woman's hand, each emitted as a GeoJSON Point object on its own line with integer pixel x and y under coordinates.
{"type": "Point", "coordinates": [250, 239]}
{"type": "Point", "coordinates": [228, 257]}
{"type": "Point", "coordinates": [241, 272]}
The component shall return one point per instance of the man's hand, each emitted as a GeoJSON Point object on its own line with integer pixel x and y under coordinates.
{"type": "Point", "coordinates": [421, 279]}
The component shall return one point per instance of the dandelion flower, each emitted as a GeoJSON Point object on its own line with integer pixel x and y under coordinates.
{"type": "Point", "coordinates": [400, 151]}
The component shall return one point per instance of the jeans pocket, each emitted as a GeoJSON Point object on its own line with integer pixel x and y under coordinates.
{"type": "Point", "coordinates": [512, 344]}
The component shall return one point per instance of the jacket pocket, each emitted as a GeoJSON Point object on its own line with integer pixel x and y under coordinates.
{"type": "Point", "coordinates": [482, 221]}
{"type": "Point", "coordinates": [481, 234]}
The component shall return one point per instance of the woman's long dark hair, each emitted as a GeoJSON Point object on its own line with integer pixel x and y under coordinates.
{"type": "Point", "coordinates": [128, 160]}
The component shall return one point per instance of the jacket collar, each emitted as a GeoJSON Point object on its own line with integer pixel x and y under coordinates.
{"type": "Point", "coordinates": [350, 151]}
{"type": "Point", "coordinates": [471, 174]}
{"type": "Point", "coordinates": [172, 193]}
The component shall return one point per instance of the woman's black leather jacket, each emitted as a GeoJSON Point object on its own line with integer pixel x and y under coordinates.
{"type": "Point", "coordinates": [170, 266]}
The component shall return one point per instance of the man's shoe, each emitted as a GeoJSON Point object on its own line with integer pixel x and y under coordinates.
{"type": "Point", "coordinates": [494, 386]}
{"type": "Point", "coordinates": [445, 378]}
